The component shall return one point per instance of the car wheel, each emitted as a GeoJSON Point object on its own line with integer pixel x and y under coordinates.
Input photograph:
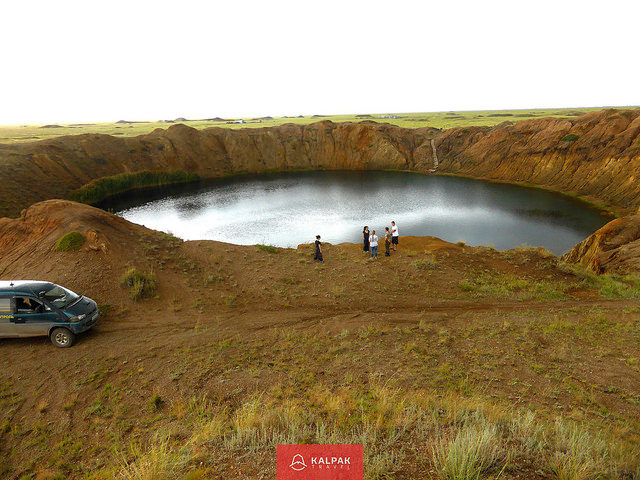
{"type": "Point", "coordinates": [62, 338]}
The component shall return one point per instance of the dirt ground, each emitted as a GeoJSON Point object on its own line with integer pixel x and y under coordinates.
{"type": "Point", "coordinates": [231, 322]}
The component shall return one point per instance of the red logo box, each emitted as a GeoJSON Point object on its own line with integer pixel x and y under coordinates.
{"type": "Point", "coordinates": [320, 462]}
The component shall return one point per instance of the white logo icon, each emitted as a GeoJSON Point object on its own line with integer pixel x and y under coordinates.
{"type": "Point", "coordinates": [298, 463]}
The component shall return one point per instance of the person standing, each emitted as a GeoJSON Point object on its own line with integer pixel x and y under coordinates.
{"type": "Point", "coordinates": [365, 239]}
{"type": "Point", "coordinates": [373, 240]}
{"type": "Point", "coordinates": [318, 255]}
{"type": "Point", "coordinates": [394, 235]}
{"type": "Point", "coordinates": [387, 242]}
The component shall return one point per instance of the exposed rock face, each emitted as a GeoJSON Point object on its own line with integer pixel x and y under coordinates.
{"type": "Point", "coordinates": [36, 171]}
{"type": "Point", "coordinates": [613, 248]}
{"type": "Point", "coordinates": [596, 155]}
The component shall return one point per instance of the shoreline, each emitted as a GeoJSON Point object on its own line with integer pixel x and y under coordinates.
{"type": "Point", "coordinates": [602, 207]}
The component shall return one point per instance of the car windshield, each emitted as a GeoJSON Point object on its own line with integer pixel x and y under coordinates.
{"type": "Point", "coordinates": [61, 297]}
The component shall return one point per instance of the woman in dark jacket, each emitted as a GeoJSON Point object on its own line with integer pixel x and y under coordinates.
{"type": "Point", "coordinates": [365, 239]}
{"type": "Point", "coordinates": [317, 257]}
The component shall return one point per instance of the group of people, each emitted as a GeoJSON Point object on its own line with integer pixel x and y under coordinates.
{"type": "Point", "coordinates": [369, 241]}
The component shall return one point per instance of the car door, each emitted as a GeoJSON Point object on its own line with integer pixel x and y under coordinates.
{"type": "Point", "coordinates": [34, 319]}
{"type": "Point", "coordinates": [7, 327]}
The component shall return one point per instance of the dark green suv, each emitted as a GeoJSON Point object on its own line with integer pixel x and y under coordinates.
{"type": "Point", "coordinates": [29, 308]}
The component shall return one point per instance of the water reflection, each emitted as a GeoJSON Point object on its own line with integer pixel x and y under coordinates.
{"type": "Point", "coordinates": [289, 209]}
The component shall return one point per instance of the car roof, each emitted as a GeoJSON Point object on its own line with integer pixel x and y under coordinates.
{"type": "Point", "coordinates": [24, 286]}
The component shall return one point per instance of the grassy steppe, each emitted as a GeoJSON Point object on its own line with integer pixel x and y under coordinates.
{"type": "Point", "coordinates": [443, 120]}
{"type": "Point", "coordinates": [445, 361]}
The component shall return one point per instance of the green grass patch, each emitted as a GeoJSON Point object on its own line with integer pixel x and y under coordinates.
{"type": "Point", "coordinates": [609, 285]}
{"type": "Point", "coordinates": [72, 241]}
{"type": "Point", "coordinates": [572, 137]}
{"type": "Point", "coordinates": [142, 285]}
{"type": "Point", "coordinates": [268, 248]}
{"type": "Point", "coordinates": [102, 188]}
{"type": "Point", "coordinates": [512, 286]}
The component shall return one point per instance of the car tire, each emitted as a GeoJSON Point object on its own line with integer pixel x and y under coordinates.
{"type": "Point", "coordinates": [62, 338]}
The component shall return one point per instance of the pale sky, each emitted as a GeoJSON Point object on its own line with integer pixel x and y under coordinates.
{"type": "Point", "coordinates": [75, 61]}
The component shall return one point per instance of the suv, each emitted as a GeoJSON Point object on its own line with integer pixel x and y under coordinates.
{"type": "Point", "coordinates": [30, 308]}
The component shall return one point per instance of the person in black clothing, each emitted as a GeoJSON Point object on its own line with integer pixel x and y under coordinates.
{"type": "Point", "coordinates": [318, 255]}
{"type": "Point", "coordinates": [365, 239]}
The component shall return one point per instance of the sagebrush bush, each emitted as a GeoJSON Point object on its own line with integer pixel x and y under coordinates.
{"type": "Point", "coordinates": [142, 285]}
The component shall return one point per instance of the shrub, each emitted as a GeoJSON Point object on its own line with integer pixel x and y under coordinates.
{"type": "Point", "coordinates": [572, 137]}
{"type": "Point", "coordinates": [268, 248]}
{"type": "Point", "coordinates": [156, 403]}
{"type": "Point", "coordinates": [70, 242]}
{"type": "Point", "coordinates": [427, 263]}
{"type": "Point", "coordinates": [142, 285]}
{"type": "Point", "coordinates": [213, 278]}
{"type": "Point", "coordinates": [466, 286]}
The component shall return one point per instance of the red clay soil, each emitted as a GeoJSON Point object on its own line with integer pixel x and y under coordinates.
{"type": "Point", "coordinates": [232, 321]}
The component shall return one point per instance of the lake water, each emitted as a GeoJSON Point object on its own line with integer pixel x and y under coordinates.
{"type": "Point", "coordinates": [288, 209]}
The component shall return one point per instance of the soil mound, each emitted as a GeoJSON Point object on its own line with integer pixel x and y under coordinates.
{"type": "Point", "coordinates": [613, 248]}
{"type": "Point", "coordinates": [28, 245]}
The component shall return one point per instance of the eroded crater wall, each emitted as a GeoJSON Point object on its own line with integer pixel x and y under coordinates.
{"type": "Point", "coordinates": [596, 155]}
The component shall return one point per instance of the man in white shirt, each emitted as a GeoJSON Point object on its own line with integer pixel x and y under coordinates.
{"type": "Point", "coordinates": [394, 235]}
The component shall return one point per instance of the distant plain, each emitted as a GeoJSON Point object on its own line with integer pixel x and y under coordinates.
{"type": "Point", "coordinates": [442, 120]}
